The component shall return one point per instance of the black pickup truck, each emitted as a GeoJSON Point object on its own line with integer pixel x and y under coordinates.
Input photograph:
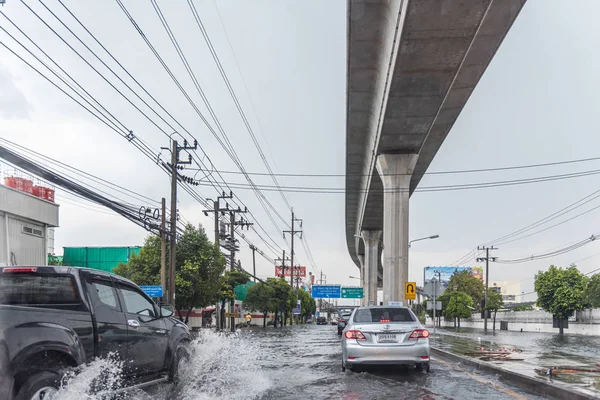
{"type": "Point", "coordinates": [55, 319]}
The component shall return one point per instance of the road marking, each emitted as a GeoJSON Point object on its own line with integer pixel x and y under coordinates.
{"type": "Point", "coordinates": [478, 378]}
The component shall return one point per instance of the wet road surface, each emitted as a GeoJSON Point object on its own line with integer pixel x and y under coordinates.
{"type": "Point", "coordinates": [539, 351]}
{"type": "Point", "coordinates": [304, 362]}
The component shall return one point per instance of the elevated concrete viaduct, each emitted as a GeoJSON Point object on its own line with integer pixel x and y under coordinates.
{"type": "Point", "coordinates": [412, 65]}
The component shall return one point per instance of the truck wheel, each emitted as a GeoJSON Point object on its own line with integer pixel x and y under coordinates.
{"type": "Point", "coordinates": [181, 355]}
{"type": "Point", "coordinates": [42, 385]}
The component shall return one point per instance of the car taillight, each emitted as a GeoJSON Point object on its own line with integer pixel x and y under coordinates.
{"type": "Point", "coordinates": [20, 269]}
{"type": "Point", "coordinates": [384, 321]}
{"type": "Point", "coordinates": [358, 335]}
{"type": "Point", "coordinates": [419, 334]}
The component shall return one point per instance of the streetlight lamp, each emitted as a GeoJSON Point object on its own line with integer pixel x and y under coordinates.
{"type": "Point", "coordinates": [424, 238]}
{"type": "Point", "coordinates": [353, 277]}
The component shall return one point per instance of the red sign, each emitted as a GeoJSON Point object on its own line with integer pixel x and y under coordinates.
{"type": "Point", "coordinates": [298, 271]}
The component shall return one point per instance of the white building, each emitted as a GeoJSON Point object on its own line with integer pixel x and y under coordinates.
{"type": "Point", "coordinates": [26, 228]}
{"type": "Point", "coordinates": [511, 290]}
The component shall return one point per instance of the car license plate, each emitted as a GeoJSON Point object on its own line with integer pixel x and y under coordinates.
{"type": "Point", "coordinates": [387, 338]}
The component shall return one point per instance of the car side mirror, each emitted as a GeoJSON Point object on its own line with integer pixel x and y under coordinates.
{"type": "Point", "coordinates": [166, 310]}
{"type": "Point", "coordinates": [146, 318]}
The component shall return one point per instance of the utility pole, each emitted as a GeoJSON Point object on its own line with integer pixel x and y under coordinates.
{"type": "Point", "coordinates": [173, 234]}
{"type": "Point", "coordinates": [293, 233]}
{"type": "Point", "coordinates": [216, 210]}
{"type": "Point", "coordinates": [253, 248]}
{"type": "Point", "coordinates": [233, 248]}
{"type": "Point", "coordinates": [487, 259]}
{"type": "Point", "coordinates": [163, 247]}
{"type": "Point", "coordinates": [175, 162]}
{"type": "Point", "coordinates": [321, 299]}
{"type": "Point", "coordinates": [283, 276]}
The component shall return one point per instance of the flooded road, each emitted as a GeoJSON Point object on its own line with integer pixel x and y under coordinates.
{"type": "Point", "coordinates": [303, 362]}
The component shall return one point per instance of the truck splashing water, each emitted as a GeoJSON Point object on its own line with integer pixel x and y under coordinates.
{"type": "Point", "coordinates": [220, 367]}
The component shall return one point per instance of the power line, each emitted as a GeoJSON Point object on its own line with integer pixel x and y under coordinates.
{"type": "Point", "coordinates": [551, 254]}
{"type": "Point", "coordinates": [127, 134]}
{"type": "Point", "coordinates": [450, 172]}
{"type": "Point", "coordinates": [441, 188]}
{"type": "Point", "coordinates": [229, 150]}
{"type": "Point", "coordinates": [234, 96]}
{"type": "Point", "coordinates": [199, 163]}
{"type": "Point", "coordinates": [103, 182]}
{"type": "Point", "coordinates": [552, 216]}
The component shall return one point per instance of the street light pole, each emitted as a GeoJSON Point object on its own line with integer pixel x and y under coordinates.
{"type": "Point", "coordinates": [424, 238]}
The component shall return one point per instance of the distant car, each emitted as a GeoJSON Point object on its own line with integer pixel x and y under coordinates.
{"type": "Point", "coordinates": [321, 321]}
{"type": "Point", "coordinates": [385, 335]}
{"type": "Point", "coordinates": [342, 322]}
{"type": "Point", "coordinates": [334, 321]}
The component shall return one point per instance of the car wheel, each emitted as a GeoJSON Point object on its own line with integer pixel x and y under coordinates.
{"type": "Point", "coordinates": [182, 355]}
{"type": "Point", "coordinates": [39, 386]}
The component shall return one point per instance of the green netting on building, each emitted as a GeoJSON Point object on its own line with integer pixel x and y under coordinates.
{"type": "Point", "coordinates": [102, 258]}
{"type": "Point", "coordinates": [241, 291]}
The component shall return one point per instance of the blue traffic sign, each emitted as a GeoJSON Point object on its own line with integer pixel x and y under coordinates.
{"type": "Point", "coordinates": [153, 291]}
{"type": "Point", "coordinates": [326, 291]}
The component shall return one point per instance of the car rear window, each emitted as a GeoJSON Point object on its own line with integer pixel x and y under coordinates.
{"type": "Point", "coordinates": [37, 289]}
{"type": "Point", "coordinates": [383, 315]}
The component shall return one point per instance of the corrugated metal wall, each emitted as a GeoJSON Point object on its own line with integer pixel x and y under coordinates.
{"type": "Point", "coordinates": [102, 258]}
{"type": "Point", "coordinates": [2, 239]}
{"type": "Point", "coordinates": [26, 248]}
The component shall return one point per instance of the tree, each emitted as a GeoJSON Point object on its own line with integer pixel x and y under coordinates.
{"type": "Point", "coordinates": [522, 307]}
{"type": "Point", "coordinates": [592, 292]}
{"type": "Point", "coordinates": [280, 297]}
{"type": "Point", "coordinates": [143, 268]}
{"type": "Point", "coordinates": [292, 302]}
{"type": "Point", "coordinates": [197, 269]}
{"type": "Point", "coordinates": [561, 291]}
{"type": "Point", "coordinates": [464, 281]}
{"type": "Point", "coordinates": [494, 303]}
{"type": "Point", "coordinates": [228, 282]}
{"type": "Point", "coordinates": [259, 298]}
{"type": "Point", "coordinates": [459, 306]}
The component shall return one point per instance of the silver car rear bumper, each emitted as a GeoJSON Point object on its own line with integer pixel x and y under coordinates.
{"type": "Point", "coordinates": [356, 354]}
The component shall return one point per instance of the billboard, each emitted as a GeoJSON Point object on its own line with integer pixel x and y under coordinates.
{"type": "Point", "coordinates": [445, 273]}
{"type": "Point", "coordinates": [298, 271]}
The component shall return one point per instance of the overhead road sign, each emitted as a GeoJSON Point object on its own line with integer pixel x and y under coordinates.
{"type": "Point", "coordinates": [326, 291]}
{"type": "Point", "coordinates": [410, 291]}
{"type": "Point", "coordinates": [352, 293]}
{"type": "Point", "coordinates": [153, 291]}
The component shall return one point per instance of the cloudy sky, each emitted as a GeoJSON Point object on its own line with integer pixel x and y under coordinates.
{"type": "Point", "coordinates": [286, 62]}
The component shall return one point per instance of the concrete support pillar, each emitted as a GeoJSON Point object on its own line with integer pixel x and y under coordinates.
{"type": "Point", "coordinates": [363, 280]}
{"type": "Point", "coordinates": [371, 240]}
{"type": "Point", "coordinates": [395, 171]}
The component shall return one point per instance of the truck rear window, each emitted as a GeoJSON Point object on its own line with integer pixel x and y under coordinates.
{"type": "Point", "coordinates": [383, 315]}
{"type": "Point", "coordinates": [37, 289]}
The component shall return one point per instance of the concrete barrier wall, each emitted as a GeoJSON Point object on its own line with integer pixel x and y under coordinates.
{"type": "Point", "coordinates": [574, 327]}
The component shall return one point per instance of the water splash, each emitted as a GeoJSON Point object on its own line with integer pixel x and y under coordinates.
{"type": "Point", "coordinates": [100, 375]}
{"type": "Point", "coordinates": [221, 366]}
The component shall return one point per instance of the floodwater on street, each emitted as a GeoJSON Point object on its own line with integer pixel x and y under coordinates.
{"type": "Point", "coordinates": [539, 351]}
{"type": "Point", "coordinates": [297, 363]}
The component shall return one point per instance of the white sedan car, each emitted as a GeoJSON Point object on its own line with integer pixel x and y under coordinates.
{"type": "Point", "coordinates": [384, 335]}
